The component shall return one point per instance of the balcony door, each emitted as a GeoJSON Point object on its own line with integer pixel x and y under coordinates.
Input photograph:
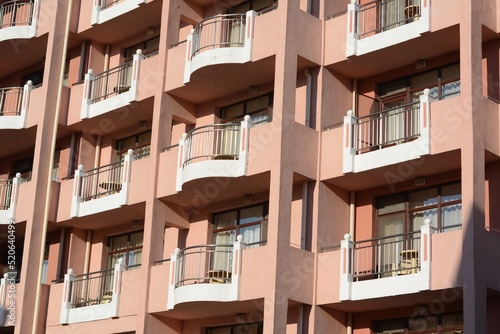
{"type": "Point", "coordinates": [392, 13]}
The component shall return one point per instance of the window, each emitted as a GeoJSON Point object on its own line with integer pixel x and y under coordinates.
{"type": "Point", "coordinates": [250, 222]}
{"type": "Point", "coordinates": [55, 166]}
{"type": "Point", "coordinates": [148, 47]}
{"type": "Point", "coordinates": [407, 212]}
{"type": "Point", "coordinates": [126, 246]}
{"type": "Point", "coordinates": [439, 323]}
{"type": "Point", "coordinates": [257, 5]}
{"type": "Point", "coordinates": [140, 143]}
{"type": "Point", "coordinates": [443, 82]}
{"type": "Point", "coordinates": [25, 167]}
{"type": "Point", "coordinates": [36, 78]}
{"type": "Point", "coordinates": [259, 109]}
{"type": "Point", "coordinates": [252, 328]}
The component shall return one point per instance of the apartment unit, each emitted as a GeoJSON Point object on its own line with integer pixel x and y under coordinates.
{"type": "Point", "coordinates": [249, 166]}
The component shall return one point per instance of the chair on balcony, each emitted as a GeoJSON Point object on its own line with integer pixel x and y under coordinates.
{"type": "Point", "coordinates": [218, 276]}
{"type": "Point", "coordinates": [409, 262]}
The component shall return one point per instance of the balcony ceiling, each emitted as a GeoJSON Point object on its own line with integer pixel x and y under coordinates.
{"type": "Point", "coordinates": [119, 29]}
{"type": "Point", "coordinates": [197, 310]}
{"type": "Point", "coordinates": [16, 141]}
{"type": "Point", "coordinates": [430, 45]}
{"type": "Point", "coordinates": [18, 54]}
{"type": "Point", "coordinates": [212, 82]}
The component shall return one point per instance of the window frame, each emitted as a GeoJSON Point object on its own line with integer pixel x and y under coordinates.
{"type": "Point", "coordinates": [245, 103]}
{"type": "Point", "coordinates": [126, 250]}
{"type": "Point", "coordinates": [233, 327]}
{"type": "Point", "coordinates": [408, 211]}
{"type": "Point", "coordinates": [406, 321]}
{"type": "Point", "coordinates": [120, 152]}
{"type": "Point", "coordinates": [238, 226]}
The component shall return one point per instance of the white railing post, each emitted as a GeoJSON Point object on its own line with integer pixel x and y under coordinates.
{"type": "Point", "coordinates": [120, 267]}
{"type": "Point", "coordinates": [66, 306]}
{"type": "Point", "coordinates": [136, 68]}
{"type": "Point", "coordinates": [28, 87]}
{"type": "Point", "coordinates": [77, 191]}
{"type": "Point", "coordinates": [4, 282]}
{"type": "Point", "coordinates": [126, 173]}
{"type": "Point", "coordinates": [181, 156]}
{"type": "Point", "coordinates": [14, 195]}
{"type": "Point", "coordinates": [34, 17]}
{"type": "Point", "coordinates": [249, 31]}
{"type": "Point", "coordinates": [191, 41]}
{"type": "Point", "coordinates": [172, 279]}
{"type": "Point", "coordinates": [352, 28]}
{"type": "Point", "coordinates": [346, 275]}
{"type": "Point", "coordinates": [88, 94]}
{"type": "Point", "coordinates": [425, 254]}
{"type": "Point", "coordinates": [244, 141]}
{"type": "Point", "coordinates": [238, 248]}
{"type": "Point", "coordinates": [96, 11]}
{"type": "Point", "coordinates": [349, 140]}
{"type": "Point", "coordinates": [425, 119]}
{"type": "Point", "coordinates": [425, 14]}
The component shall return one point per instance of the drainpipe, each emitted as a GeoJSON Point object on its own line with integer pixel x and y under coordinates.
{"type": "Point", "coordinates": [308, 97]}
{"type": "Point", "coordinates": [97, 151]}
{"type": "Point", "coordinates": [81, 75]}
{"type": "Point", "coordinates": [61, 251]}
{"type": "Point", "coordinates": [349, 323]}
{"type": "Point", "coordinates": [355, 97]}
{"type": "Point", "coordinates": [309, 6]}
{"type": "Point", "coordinates": [305, 190]}
{"type": "Point", "coordinates": [352, 213]}
{"type": "Point", "coordinates": [45, 220]}
{"type": "Point", "coordinates": [300, 320]}
{"type": "Point", "coordinates": [106, 57]}
{"type": "Point", "coordinates": [86, 265]}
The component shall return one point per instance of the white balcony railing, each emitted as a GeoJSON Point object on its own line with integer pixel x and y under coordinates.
{"type": "Point", "coordinates": [9, 193]}
{"type": "Point", "coordinates": [373, 18]}
{"type": "Point", "coordinates": [16, 13]}
{"type": "Point", "coordinates": [214, 150]}
{"type": "Point", "coordinates": [385, 266]}
{"type": "Point", "coordinates": [92, 296]}
{"type": "Point", "coordinates": [102, 188]}
{"type": "Point", "coordinates": [387, 137]}
{"type": "Point", "coordinates": [205, 272]}
{"type": "Point", "coordinates": [119, 84]}
{"type": "Point", "coordinates": [14, 103]}
{"type": "Point", "coordinates": [105, 10]}
{"type": "Point", "coordinates": [220, 39]}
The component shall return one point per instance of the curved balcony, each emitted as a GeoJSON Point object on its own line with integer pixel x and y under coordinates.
{"type": "Point", "coordinates": [221, 39]}
{"type": "Point", "coordinates": [213, 150]}
{"type": "Point", "coordinates": [14, 102]}
{"type": "Point", "coordinates": [18, 19]}
{"type": "Point", "coordinates": [205, 273]}
{"type": "Point", "coordinates": [105, 10]}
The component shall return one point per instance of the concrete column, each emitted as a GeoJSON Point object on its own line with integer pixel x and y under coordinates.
{"type": "Point", "coordinates": [473, 163]}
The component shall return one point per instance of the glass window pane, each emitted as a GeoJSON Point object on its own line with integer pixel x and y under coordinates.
{"type": "Point", "coordinates": [392, 224]}
{"type": "Point", "coordinates": [221, 330]}
{"type": "Point", "coordinates": [251, 234]}
{"type": "Point", "coordinates": [451, 192]}
{"type": "Point", "coordinates": [417, 219]}
{"type": "Point", "coordinates": [136, 239]}
{"type": "Point", "coordinates": [450, 72]}
{"type": "Point", "coordinates": [225, 237]}
{"type": "Point", "coordinates": [451, 320]}
{"type": "Point", "coordinates": [135, 257]}
{"type": "Point", "coordinates": [451, 215]}
{"type": "Point", "coordinates": [258, 104]}
{"type": "Point", "coordinates": [233, 111]}
{"type": "Point", "coordinates": [421, 323]}
{"type": "Point", "coordinates": [117, 243]}
{"type": "Point", "coordinates": [391, 204]}
{"type": "Point", "coordinates": [424, 80]}
{"type": "Point", "coordinates": [423, 198]}
{"type": "Point", "coordinates": [247, 329]}
{"type": "Point", "coordinates": [250, 215]}
{"type": "Point", "coordinates": [227, 219]}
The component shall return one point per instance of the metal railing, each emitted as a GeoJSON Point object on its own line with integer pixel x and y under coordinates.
{"type": "Point", "coordinates": [109, 3]}
{"type": "Point", "coordinates": [112, 82]}
{"type": "Point", "coordinates": [388, 127]}
{"type": "Point", "coordinates": [92, 288]}
{"type": "Point", "coordinates": [16, 13]}
{"type": "Point", "coordinates": [101, 181]}
{"type": "Point", "coordinates": [5, 193]}
{"type": "Point", "coordinates": [219, 31]}
{"type": "Point", "coordinates": [379, 16]}
{"type": "Point", "coordinates": [385, 257]}
{"type": "Point", "coordinates": [212, 142]}
{"type": "Point", "coordinates": [11, 101]}
{"type": "Point", "coordinates": [204, 264]}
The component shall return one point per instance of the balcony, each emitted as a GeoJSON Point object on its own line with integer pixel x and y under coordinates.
{"type": "Point", "coordinates": [111, 89]}
{"type": "Point", "coordinates": [9, 193]}
{"type": "Point", "coordinates": [379, 24]}
{"type": "Point", "coordinates": [14, 103]}
{"type": "Point", "coordinates": [105, 10]}
{"type": "Point", "coordinates": [92, 296]}
{"type": "Point", "coordinates": [387, 137]}
{"type": "Point", "coordinates": [221, 39]}
{"type": "Point", "coordinates": [388, 266]}
{"type": "Point", "coordinates": [219, 150]}
{"type": "Point", "coordinates": [205, 273]}
{"type": "Point", "coordinates": [18, 19]}
{"type": "Point", "coordinates": [103, 188]}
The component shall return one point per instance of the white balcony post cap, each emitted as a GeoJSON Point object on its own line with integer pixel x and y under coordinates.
{"type": "Point", "coordinates": [70, 271]}
{"type": "Point", "coordinates": [18, 175]}
{"type": "Point", "coordinates": [239, 238]}
{"type": "Point", "coordinates": [354, 1]}
{"type": "Point", "coordinates": [347, 236]}
{"type": "Point", "coordinates": [177, 251]}
{"type": "Point", "coordinates": [29, 82]}
{"type": "Point", "coordinates": [184, 135]}
{"type": "Point", "coordinates": [349, 113]}
{"type": "Point", "coordinates": [80, 167]}
{"type": "Point", "coordinates": [120, 260]}
{"type": "Point", "coordinates": [139, 51]}
{"type": "Point", "coordinates": [5, 275]}
{"type": "Point", "coordinates": [247, 118]}
{"type": "Point", "coordinates": [427, 91]}
{"type": "Point", "coordinates": [427, 221]}
{"type": "Point", "coordinates": [130, 151]}
{"type": "Point", "coordinates": [90, 71]}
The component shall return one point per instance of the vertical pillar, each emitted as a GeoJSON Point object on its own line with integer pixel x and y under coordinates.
{"type": "Point", "coordinates": [346, 254]}
{"type": "Point", "coordinates": [172, 279]}
{"type": "Point", "coordinates": [181, 157]}
{"type": "Point", "coordinates": [238, 248]}
{"type": "Point", "coordinates": [352, 28]}
{"type": "Point", "coordinates": [136, 70]}
{"type": "Point", "coordinates": [69, 278]}
{"type": "Point", "coordinates": [244, 141]}
{"type": "Point", "coordinates": [78, 191]}
{"type": "Point", "coordinates": [349, 140]}
{"type": "Point", "coordinates": [425, 254]}
{"type": "Point", "coordinates": [87, 93]}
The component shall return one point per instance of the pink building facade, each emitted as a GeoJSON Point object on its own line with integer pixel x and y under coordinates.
{"type": "Point", "coordinates": [249, 166]}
